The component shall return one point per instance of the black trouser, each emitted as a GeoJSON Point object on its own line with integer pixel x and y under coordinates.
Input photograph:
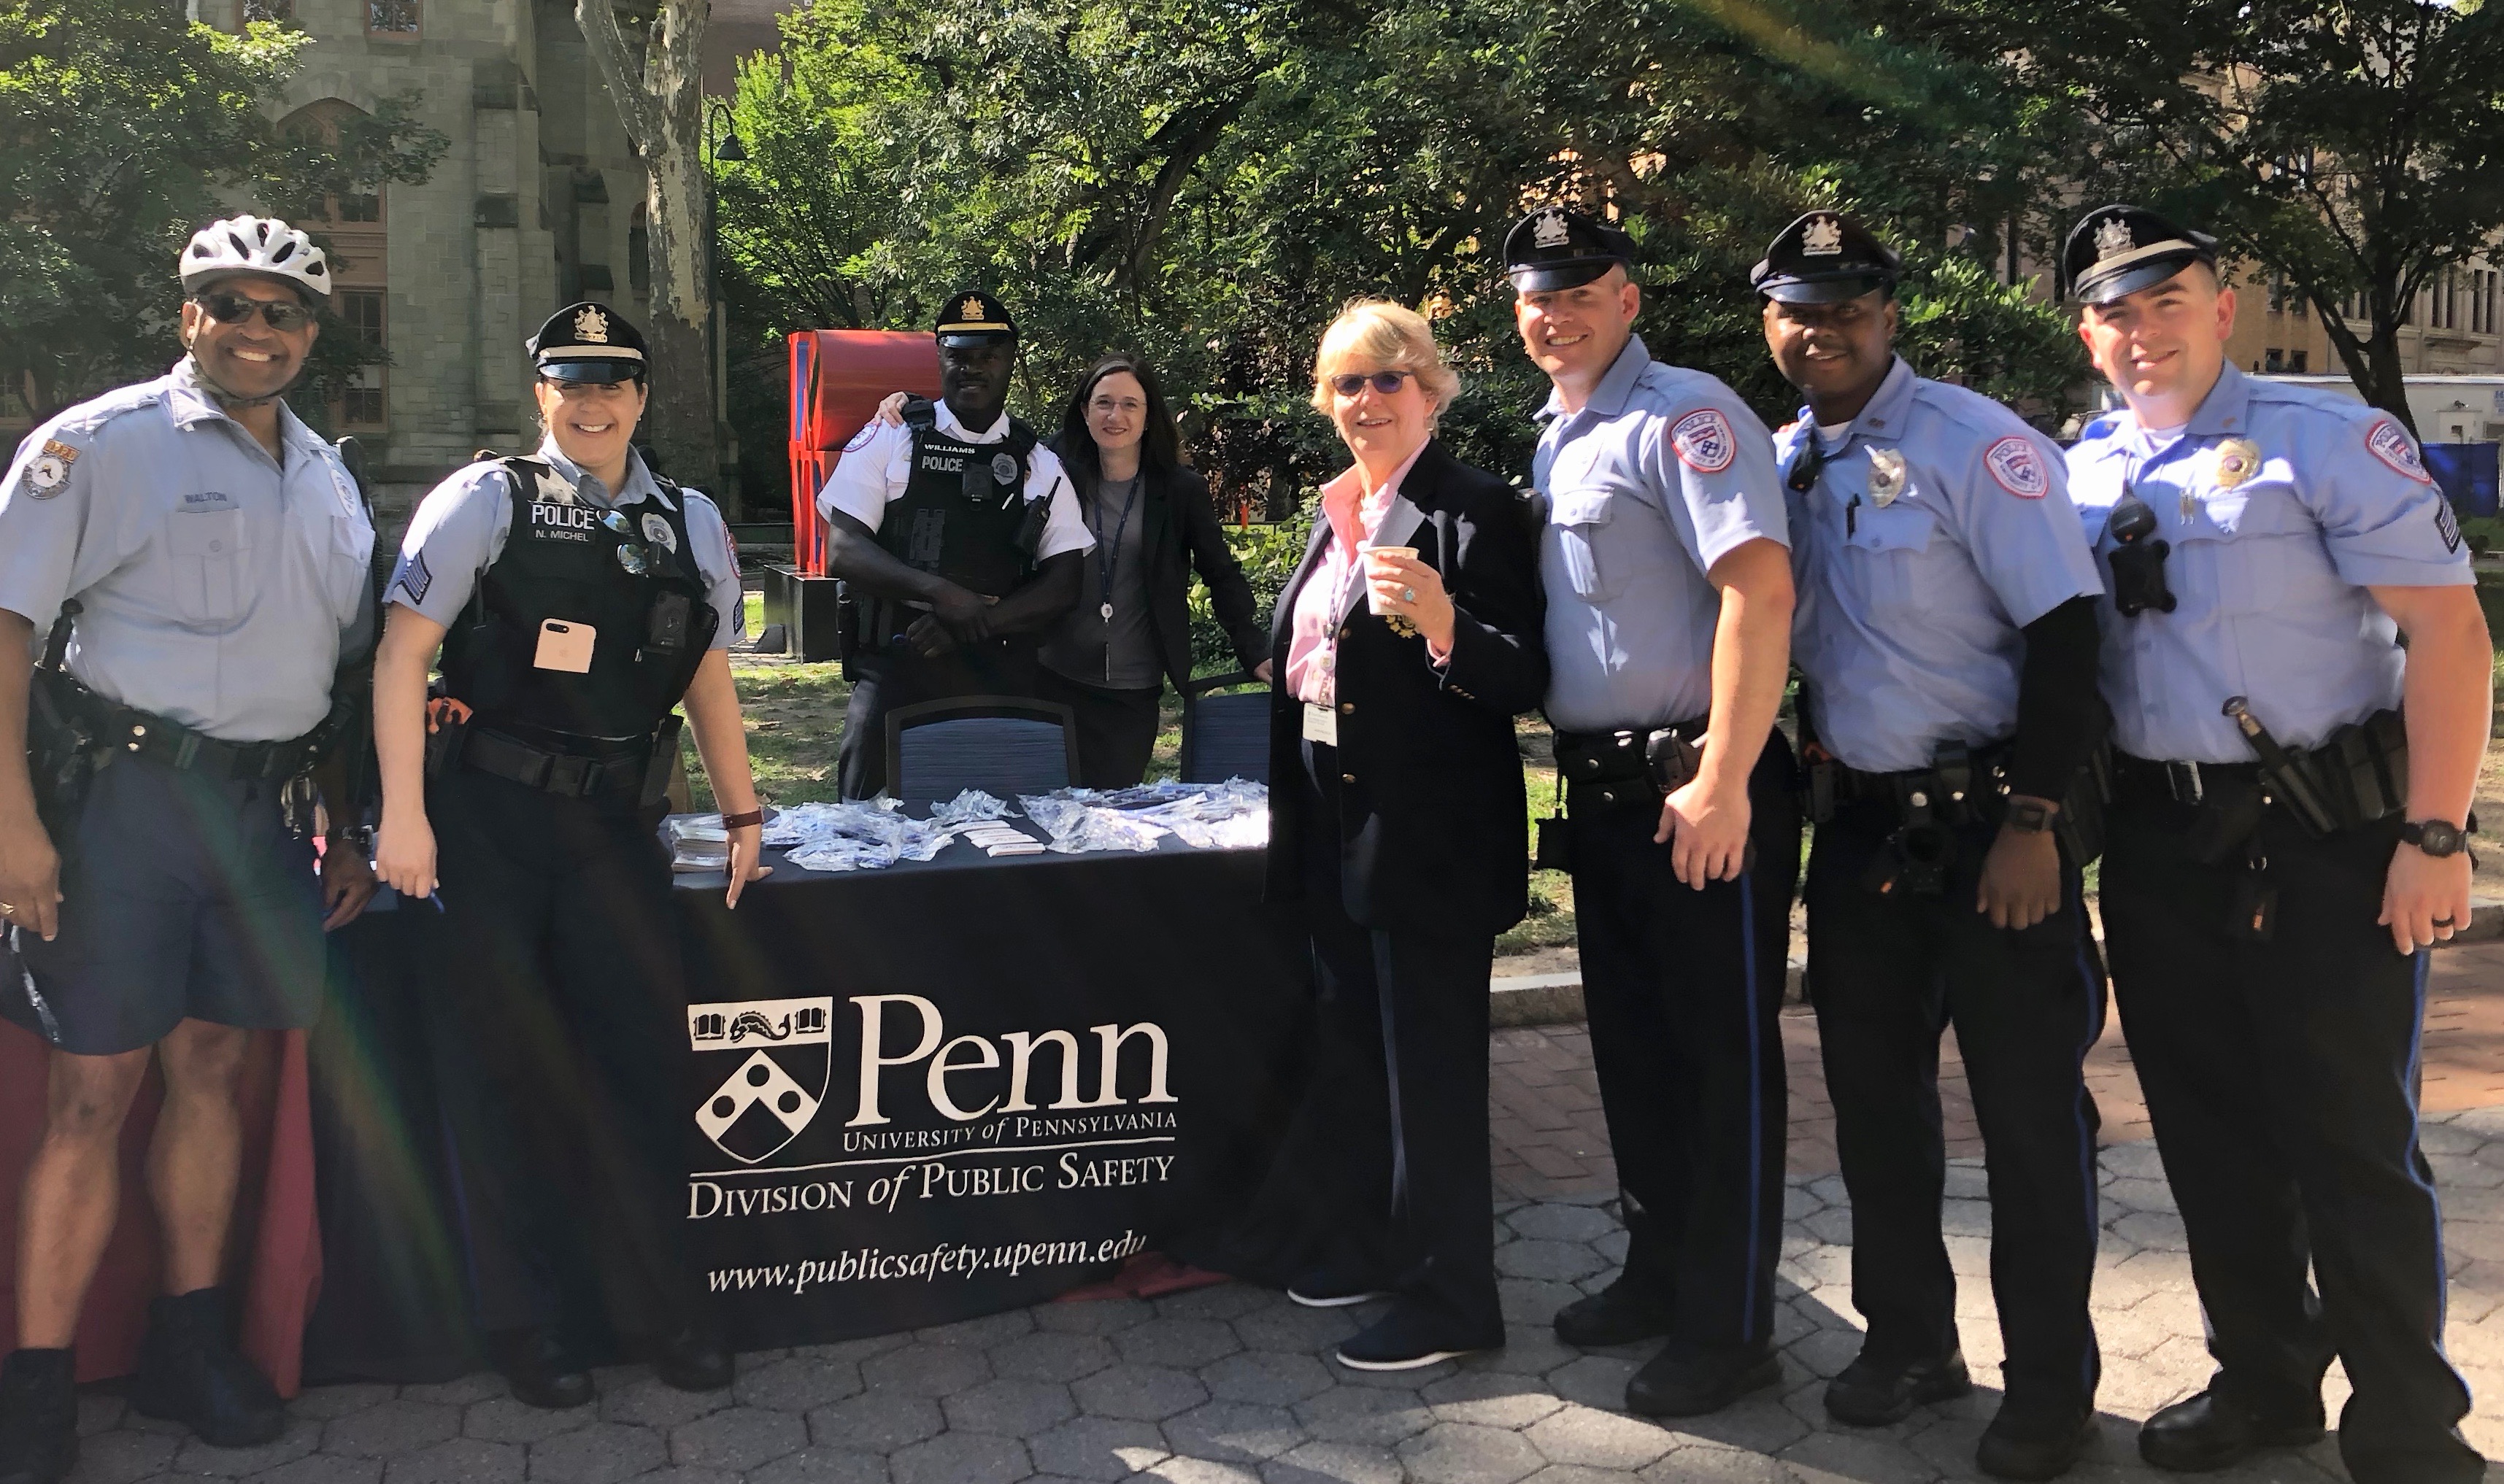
{"type": "Point", "coordinates": [899, 677]}
{"type": "Point", "coordinates": [1886, 974]}
{"type": "Point", "coordinates": [565, 1090]}
{"type": "Point", "coordinates": [1685, 993]}
{"type": "Point", "coordinates": [1392, 1135]}
{"type": "Point", "coordinates": [2281, 1078]}
{"type": "Point", "coordinates": [1117, 729]}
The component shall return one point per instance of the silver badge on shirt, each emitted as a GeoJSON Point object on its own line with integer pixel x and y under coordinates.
{"type": "Point", "coordinates": [1886, 476]}
{"type": "Point", "coordinates": [1003, 468]}
{"type": "Point", "coordinates": [657, 532]}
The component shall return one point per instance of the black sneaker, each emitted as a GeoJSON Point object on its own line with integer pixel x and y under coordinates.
{"type": "Point", "coordinates": [1685, 1382]}
{"type": "Point", "coordinates": [2033, 1442]}
{"type": "Point", "coordinates": [1619, 1314]}
{"type": "Point", "coordinates": [1332, 1288]}
{"type": "Point", "coordinates": [541, 1371]}
{"type": "Point", "coordinates": [1877, 1393]}
{"type": "Point", "coordinates": [2210, 1432]}
{"type": "Point", "coordinates": [38, 1417]}
{"type": "Point", "coordinates": [1412, 1337]}
{"type": "Point", "coordinates": [696, 1359]}
{"type": "Point", "coordinates": [190, 1372]}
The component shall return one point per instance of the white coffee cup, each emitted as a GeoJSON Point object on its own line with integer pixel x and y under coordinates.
{"type": "Point", "coordinates": [1366, 552]}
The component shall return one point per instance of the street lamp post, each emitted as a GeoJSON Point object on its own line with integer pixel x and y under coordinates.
{"type": "Point", "coordinates": [717, 322]}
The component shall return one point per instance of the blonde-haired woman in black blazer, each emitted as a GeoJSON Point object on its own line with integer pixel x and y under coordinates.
{"type": "Point", "coordinates": [1403, 649]}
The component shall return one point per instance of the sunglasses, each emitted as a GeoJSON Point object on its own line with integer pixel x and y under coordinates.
{"type": "Point", "coordinates": [1350, 383]}
{"type": "Point", "coordinates": [284, 315]}
{"type": "Point", "coordinates": [630, 555]}
{"type": "Point", "coordinates": [1805, 465]}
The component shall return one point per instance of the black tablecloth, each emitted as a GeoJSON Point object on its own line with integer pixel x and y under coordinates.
{"type": "Point", "coordinates": [821, 1207]}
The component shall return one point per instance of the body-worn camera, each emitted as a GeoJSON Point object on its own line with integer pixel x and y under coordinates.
{"type": "Point", "coordinates": [2138, 560]}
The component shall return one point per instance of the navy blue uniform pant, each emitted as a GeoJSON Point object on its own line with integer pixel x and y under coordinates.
{"type": "Point", "coordinates": [1683, 990]}
{"type": "Point", "coordinates": [565, 1067]}
{"type": "Point", "coordinates": [2281, 1078]}
{"type": "Point", "coordinates": [1388, 1151]}
{"type": "Point", "coordinates": [1887, 974]}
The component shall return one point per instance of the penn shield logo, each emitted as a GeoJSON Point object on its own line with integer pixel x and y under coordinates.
{"type": "Point", "coordinates": [2392, 445]}
{"type": "Point", "coordinates": [1704, 441]}
{"type": "Point", "coordinates": [778, 1055]}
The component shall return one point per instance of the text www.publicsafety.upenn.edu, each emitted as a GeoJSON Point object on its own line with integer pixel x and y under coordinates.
{"type": "Point", "coordinates": [948, 1260]}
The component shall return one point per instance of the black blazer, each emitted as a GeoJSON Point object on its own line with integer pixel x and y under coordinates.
{"type": "Point", "coordinates": [1179, 531]}
{"type": "Point", "coordinates": [1432, 830]}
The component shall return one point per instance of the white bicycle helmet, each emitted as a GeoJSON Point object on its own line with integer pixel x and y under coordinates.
{"type": "Point", "coordinates": [250, 244]}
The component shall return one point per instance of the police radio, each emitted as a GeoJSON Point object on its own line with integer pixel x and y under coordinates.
{"type": "Point", "coordinates": [2138, 560]}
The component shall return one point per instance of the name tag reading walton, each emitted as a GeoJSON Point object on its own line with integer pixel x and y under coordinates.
{"type": "Point", "coordinates": [565, 645]}
{"type": "Point", "coordinates": [1321, 725]}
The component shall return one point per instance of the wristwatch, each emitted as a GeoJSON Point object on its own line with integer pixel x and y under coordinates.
{"type": "Point", "coordinates": [2029, 817]}
{"type": "Point", "coordinates": [2436, 838]}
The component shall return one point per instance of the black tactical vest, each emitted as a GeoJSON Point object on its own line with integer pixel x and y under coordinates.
{"type": "Point", "coordinates": [570, 562]}
{"type": "Point", "coordinates": [964, 509]}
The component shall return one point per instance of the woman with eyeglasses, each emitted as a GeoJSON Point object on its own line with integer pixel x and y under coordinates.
{"type": "Point", "coordinates": [575, 599]}
{"type": "Point", "coordinates": [1131, 631]}
{"type": "Point", "coordinates": [1108, 659]}
{"type": "Point", "coordinates": [1405, 645]}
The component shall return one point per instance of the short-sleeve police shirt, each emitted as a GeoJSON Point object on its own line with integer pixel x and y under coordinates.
{"type": "Point", "coordinates": [461, 526]}
{"type": "Point", "coordinates": [1937, 528]}
{"type": "Point", "coordinates": [1662, 474]}
{"type": "Point", "coordinates": [219, 586]}
{"type": "Point", "coordinates": [878, 463]}
{"type": "Point", "coordinates": [2281, 504]}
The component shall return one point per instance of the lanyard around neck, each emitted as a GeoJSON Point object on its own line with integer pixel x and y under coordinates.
{"type": "Point", "coordinates": [1108, 556]}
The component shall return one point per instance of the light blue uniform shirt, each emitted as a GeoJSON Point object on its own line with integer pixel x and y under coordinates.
{"type": "Point", "coordinates": [460, 530]}
{"type": "Point", "coordinates": [1661, 474]}
{"type": "Point", "coordinates": [219, 585]}
{"type": "Point", "coordinates": [2269, 567]}
{"type": "Point", "coordinates": [1937, 528]}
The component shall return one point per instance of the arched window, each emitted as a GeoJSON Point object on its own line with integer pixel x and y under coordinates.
{"type": "Point", "coordinates": [354, 230]}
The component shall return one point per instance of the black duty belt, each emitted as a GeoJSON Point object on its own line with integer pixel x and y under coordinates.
{"type": "Point", "coordinates": [2183, 782]}
{"type": "Point", "coordinates": [117, 727]}
{"type": "Point", "coordinates": [1964, 786]}
{"type": "Point", "coordinates": [569, 774]}
{"type": "Point", "coordinates": [1608, 768]}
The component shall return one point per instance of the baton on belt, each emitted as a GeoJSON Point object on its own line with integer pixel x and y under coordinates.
{"type": "Point", "coordinates": [2280, 770]}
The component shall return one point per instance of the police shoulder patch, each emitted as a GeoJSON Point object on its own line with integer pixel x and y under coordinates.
{"type": "Point", "coordinates": [1704, 441]}
{"type": "Point", "coordinates": [412, 577]}
{"type": "Point", "coordinates": [2392, 443]}
{"type": "Point", "coordinates": [861, 440]}
{"type": "Point", "coordinates": [2015, 462]}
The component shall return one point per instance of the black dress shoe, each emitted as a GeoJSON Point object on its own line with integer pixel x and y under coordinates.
{"type": "Point", "coordinates": [1413, 1336]}
{"type": "Point", "coordinates": [696, 1359]}
{"type": "Point", "coordinates": [2209, 1432]}
{"type": "Point", "coordinates": [38, 1417]}
{"type": "Point", "coordinates": [1875, 1393]}
{"type": "Point", "coordinates": [1684, 1382]}
{"type": "Point", "coordinates": [2033, 1442]}
{"type": "Point", "coordinates": [1619, 1314]}
{"type": "Point", "coordinates": [190, 1372]}
{"type": "Point", "coordinates": [541, 1371]}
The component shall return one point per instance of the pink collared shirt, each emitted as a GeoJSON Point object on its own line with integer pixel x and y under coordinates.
{"type": "Point", "coordinates": [1354, 515]}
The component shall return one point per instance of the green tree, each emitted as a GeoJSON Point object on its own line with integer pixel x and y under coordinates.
{"type": "Point", "coordinates": [124, 127]}
{"type": "Point", "coordinates": [2356, 149]}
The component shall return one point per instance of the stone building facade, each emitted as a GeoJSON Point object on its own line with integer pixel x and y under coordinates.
{"type": "Point", "coordinates": [536, 203]}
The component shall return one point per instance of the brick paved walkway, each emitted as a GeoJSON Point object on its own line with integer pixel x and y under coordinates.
{"type": "Point", "coordinates": [1233, 1385]}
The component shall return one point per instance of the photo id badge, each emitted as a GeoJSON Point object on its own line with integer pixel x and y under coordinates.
{"type": "Point", "coordinates": [1321, 725]}
{"type": "Point", "coordinates": [565, 645]}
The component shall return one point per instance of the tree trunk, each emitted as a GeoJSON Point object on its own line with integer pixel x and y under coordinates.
{"type": "Point", "coordinates": [662, 110]}
{"type": "Point", "coordinates": [2384, 383]}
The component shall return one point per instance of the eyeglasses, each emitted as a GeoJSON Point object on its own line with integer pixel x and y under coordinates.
{"type": "Point", "coordinates": [588, 391]}
{"type": "Point", "coordinates": [286, 316]}
{"type": "Point", "coordinates": [1350, 383]}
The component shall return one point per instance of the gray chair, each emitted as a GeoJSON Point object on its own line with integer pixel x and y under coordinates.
{"type": "Point", "coordinates": [1005, 745]}
{"type": "Point", "coordinates": [1226, 737]}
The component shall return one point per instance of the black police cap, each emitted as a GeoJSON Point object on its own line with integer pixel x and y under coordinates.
{"type": "Point", "coordinates": [2116, 251]}
{"type": "Point", "coordinates": [970, 317]}
{"type": "Point", "coordinates": [588, 342]}
{"type": "Point", "coordinates": [1822, 259]}
{"type": "Point", "coordinates": [1557, 247]}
